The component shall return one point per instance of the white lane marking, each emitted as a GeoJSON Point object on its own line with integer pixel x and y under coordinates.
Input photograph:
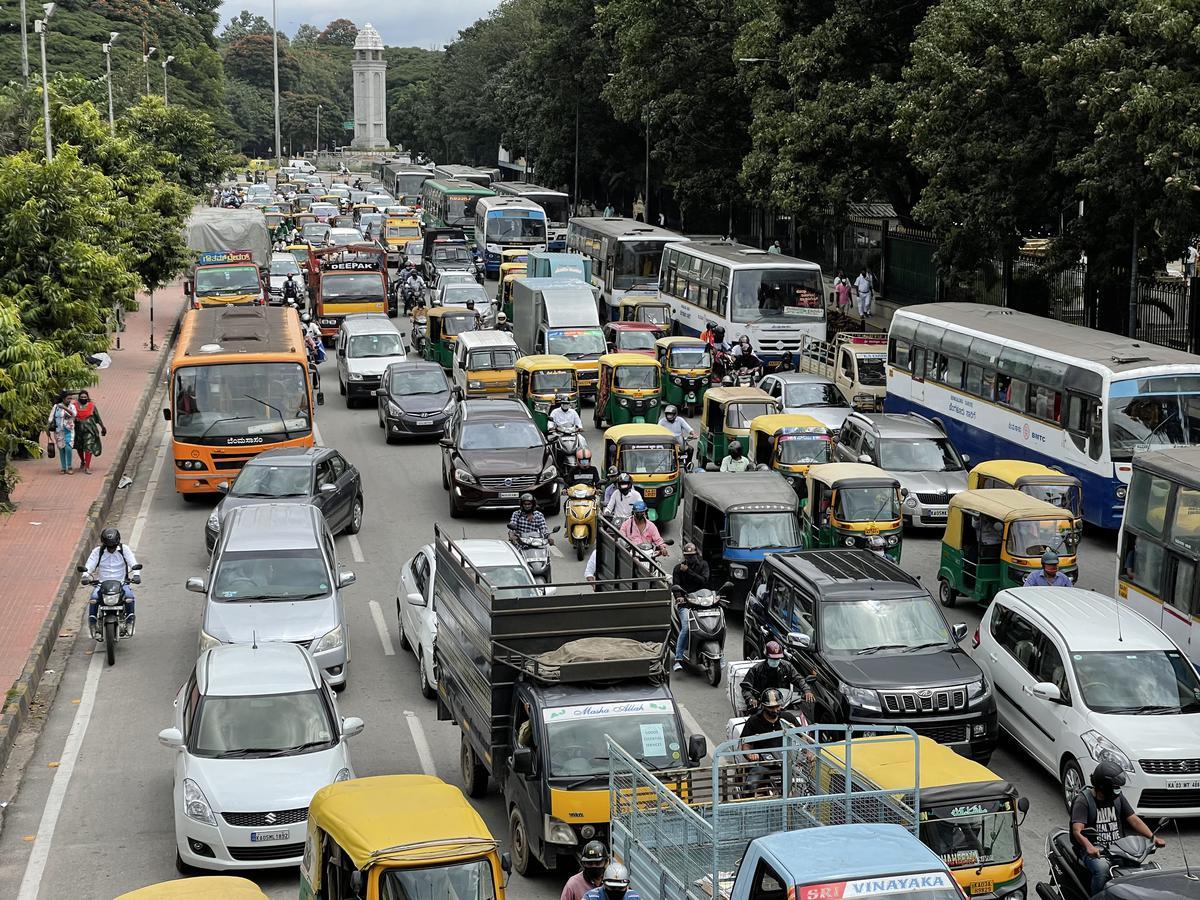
{"type": "Point", "coordinates": [317, 435]}
{"type": "Point", "coordinates": [39, 854]}
{"type": "Point", "coordinates": [381, 626]}
{"type": "Point", "coordinates": [693, 726]}
{"type": "Point", "coordinates": [139, 523]}
{"type": "Point", "coordinates": [554, 551]}
{"type": "Point", "coordinates": [422, 745]}
{"type": "Point", "coordinates": [356, 548]}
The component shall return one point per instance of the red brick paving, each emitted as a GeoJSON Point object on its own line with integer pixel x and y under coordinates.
{"type": "Point", "coordinates": [37, 541]}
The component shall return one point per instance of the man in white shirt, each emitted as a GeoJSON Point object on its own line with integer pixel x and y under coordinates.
{"type": "Point", "coordinates": [864, 292]}
{"type": "Point", "coordinates": [111, 560]}
{"type": "Point", "coordinates": [680, 427]}
{"type": "Point", "coordinates": [565, 415]}
{"type": "Point", "coordinates": [620, 504]}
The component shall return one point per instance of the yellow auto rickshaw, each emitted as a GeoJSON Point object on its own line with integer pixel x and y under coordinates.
{"type": "Point", "coordinates": [649, 454]}
{"type": "Point", "coordinates": [646, 308]}
{"type": "Point", "coordinates": [687, 371]}
{"type": "Point", "coordinates": [789, 444]}
{"type": "Point", "coordinates": [995, 537]}
{"type": "Point", "coordinates": [1034, 479]}
{"type": "Point", "coordinates": [852, 505]}
{"type": "Point", "coordinates": [727, 415]}
{"type": "Point", "coordinates": [398, 836]}
{"type": "Point", "coordinates": [206, 887]}
{"type": "Point", "coordinates": [509, 273]}
{"type": "Point", "coordinates": [541, 379]}
{"type": "Point", "coordinates": [445, 324]}
{"type": "Point", "coordinates": [627, 390]}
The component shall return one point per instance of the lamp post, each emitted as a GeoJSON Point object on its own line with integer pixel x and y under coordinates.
{"type": "Point", "coordinates": [146, 65]}
{"type": "Point", "coordinates": [40, 26]}
{"type": "Point", "coordinates": [318, 134]}
{"type": "Point", "coordinates": [112, 36]}
{"type": "Point", "coordinates": [24, 46]}
{"type": "Point", "coordinates": [169, 59]}
{"type": "Point", "coordinates": [275, 74]}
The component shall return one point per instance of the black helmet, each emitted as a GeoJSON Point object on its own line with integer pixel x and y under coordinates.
{"type": "Point", "coordinates": [110, 538]}
{"type": "Point", "coordinates": [719, 333]}
{"type": "Point", "coordinates": [528, 498]}
{"type": "Point", "coordinates": [1108, 777]}
{"type": "Point", "coordinates": [563, 399]}
{"type": "Point", "coordinates": [772, 698]}
{"type": "Point", "coordinates": [594, 855]}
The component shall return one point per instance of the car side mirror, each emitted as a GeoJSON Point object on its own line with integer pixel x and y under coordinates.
{"type": "Point", "coordinates": [798, 640]}
{"type": "Point", "coordinates": [416, 599]}
{"type": "Point", "coordinates": [1044, 690]}
{"type": "Point", "coordinates": [903, 492]}
{"type": "Point", "coordinates": [136, 568]}
{"type": "Point", "coordinates": [523, 761]}
{"type": "Point", "coordinates": [445, 442]}
{"type": "Point", "coordinates": [351, 725]}
{"type": "Point", "coordinates": [505, 863]}
{"type": "Point", "coordinates": [346, 578]}
{"type": "Point", "coordinates": [80, 569]}
{"type": "Point", "coordinates": [171, 738]}
{"type": "Point", "coordinates": [697, 748]}
{"type": "Point", "coordinates": [167, 413]}
{"type": "Point", "coordinates": [1023, 808]}
{"type": "Point", "coordinates": [864, 457]}
{"type": "Point", "coordinates": [196, 585]}
{"type": "Point", "coordinates": [187, 289]}
{"type": "Point", "coordinates": [320, 398]}
{"type": "Point", "coordinates": [375, 393]}
{"type": "Point", "coordinates": [327, 488]}
{"type": "Point", "coordinates": [223, 487]}
{"type": "Point", "coordinates": [960, 632]}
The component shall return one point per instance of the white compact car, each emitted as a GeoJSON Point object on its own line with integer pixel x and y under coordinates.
{"type": "Point", "coordinates": [1081, 677]}
{"type": "Point", "coordinates": [256, 734]}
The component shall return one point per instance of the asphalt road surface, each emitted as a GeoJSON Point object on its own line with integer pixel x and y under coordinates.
{"type": "Point", "coordinates": [97, 792]}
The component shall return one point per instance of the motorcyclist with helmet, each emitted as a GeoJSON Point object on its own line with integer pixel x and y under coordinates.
{"type": "Point", "coordinates": [744, 356]}
{"type": "Point", "coordinates": [592, 863]}
{"type": "Point", "coordinates": [736, 461]}
{"type": "Point", "coordinates": [312, 337]}
{"type": "Point", "coordinates": [692, 574]}
{"type": "Point", "coordinates": [1048, 576]}
{"type": "Point", "coordinates": [584, 472]}
{"type": "Point", "coordinates": [718, 342]}
{"type": "Point", "coordinates": [680, 427]}
{"type": "Point", "coordinates": [564, 413]}
{"type": "Point", "coordinates": [620, 502]}
{"type": "Point", "coordinates": [528, 521]}
{"type": "Point", "coordinates": [111, 560]}
{"type": "Point", "coordinates": [502, 323]}
{"type": "Point", "coordinates": [291, 291]}
{"type": "Point", "coordinates": [773, 672]}
{"type": "Point", "coordinates": [640, 530]}
{"type": "Point", "coordinates": [1107, 816]}
{"type": "Point", "coordinates": [767, 719]}
{"type": "Point", "coordinates": [613, 886]}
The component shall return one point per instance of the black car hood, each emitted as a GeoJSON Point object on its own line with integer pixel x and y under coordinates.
{"type": "Point", "coordinates": [504, 462]}
{"type": "Point", "coordinates": [889, 670]}
{"type": "Point", "coordinates": [420, 403]}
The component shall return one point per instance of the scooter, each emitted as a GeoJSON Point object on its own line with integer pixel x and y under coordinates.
{"type": "Point", "coordinates": [566, 440]}
{"type": "Point", "coordinates": [792, 700]}
{"type": "Point", "coordinates": [582, 508]}
{"type": "Point", "coordinates": [1131, 875]}
{"type": "Point", "coordinates": [705, 648]}
{"type": "Point", "coordinates": [111, 611]}
{"type": "Point", "coordinates": [536, 552]}
{"type": "Point", "coordinates": [419, 333]}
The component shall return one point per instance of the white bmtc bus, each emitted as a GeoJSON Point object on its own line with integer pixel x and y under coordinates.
{"type": "Point", "coordinates": [625, 254]}
{"type": "Point", "coordinates": [507, 223]}
{"type": "Point", "coordinates": [775, 300]}
{"type": "Point", "coordinates": [555, 203]}
{"type": "Point", "coordinates": [1009, 385]}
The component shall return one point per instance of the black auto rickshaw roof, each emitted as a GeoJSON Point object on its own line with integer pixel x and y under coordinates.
{"type": "Point", "coordinates": [767, 491]}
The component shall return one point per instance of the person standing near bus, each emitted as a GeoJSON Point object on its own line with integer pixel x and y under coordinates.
{"type": "Point", "coordinates": [864, 289]}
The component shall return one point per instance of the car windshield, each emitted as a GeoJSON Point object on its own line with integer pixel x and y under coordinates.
{"type": "Point", "coordinates": [635, 378]}
{"type": "Point", "coordinates": [507, 576]}
{"type": "Point", "coordinates": [777, 295]}
{"type": "Point", "coordinates": [646, 729]}
{"type": "Point", "coordinates": [756, 530]}
{"type": "Point", "coordinates": [1137, 682]}
{"type": "Point", "coordinates": [871, 371]}
{"type": "Point", "coordinates": [270, 575]}
{"type": "Point", "coordinates": [978, 833]}
{"type": "Point", "coordinates": [451, 255]}
{"type": "Point", "coordinates": [867, 504]}
{"type": "Point", "coordinates": [284, 265]}
{"type": "Point", "coordinates": [460, 881]}
{"type": "Point", "coordinates": [261, 479]}
{"type": "Point", "coordinates": [1031, 537]}
{"type": "Point", "coordinates": [228, 403]}
{"type": "Point", "coordinates": [262, 725]}
{"type": "Point", "coordinates": [576, 343]}
{"type": "Point", "coordinates": [1064, 496]}
{"type": "Point", "coordinates": [740, 415]}
{"type": "Point", "coordinates": [636, 340]}
{"type": "Point", "coordinates": [421, 381]}
{"type": "Point", "coordinates": [323, 209]}
{"type": "Point", "coordinates": [1145, 413]}
{"type": "Point", "coordinates": [218, 280]}
{"type": "Point", "coordinates": [552, 381]}
{"type": "Point", "coordinates": [515, 435]}
{"type": "Point", "coordinates": [367, 346]}
{"type": "Point", "coordinates": [918, 455]}
{"type": "Point", "coordinates": [458, 292]}
{"type": "Point", "coordinates": [341, 237]}
{"type": "Point", "coordinates": [690, 358]}
{"type": "Point", "coordinates": [648, 460]}
{"type": "Point", "coordinates": [343, 287]}
{"type": "Point", "coordinates": [854, 626]}
{"type": "Point", "coordinates": [315, 233]}
{"type": "Point", "coordinates": [799, 450]}
{"type": "Point", "coordinates": [478, 360]}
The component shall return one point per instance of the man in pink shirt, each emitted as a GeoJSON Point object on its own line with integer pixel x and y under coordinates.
{"type": "Point", "coordinates": [639, 529]}
{"type": "Point", "coordinates": [592, 862]}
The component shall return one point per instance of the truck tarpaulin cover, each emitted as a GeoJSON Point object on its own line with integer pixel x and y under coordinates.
{"type": "Point", "coordinates": [211, 229]}
{"type": "Point", "coordinates": [600, 650]}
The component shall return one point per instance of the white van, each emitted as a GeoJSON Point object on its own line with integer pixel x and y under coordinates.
{"type": "Point", "coordinates": [366, 344]}
{"type": "Point", "coordinates": [302, 165]}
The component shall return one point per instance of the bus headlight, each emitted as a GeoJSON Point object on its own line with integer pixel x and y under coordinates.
{"type": "Point", "coordinates": [736, 571]}
{"type": "Point", "coordinates": [1121, 491]}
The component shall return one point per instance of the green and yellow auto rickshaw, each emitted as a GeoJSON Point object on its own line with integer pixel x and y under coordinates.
{"type": "Point", "coordinates": [789, 444]}
{"type": "Point", "coordinates": [649, 454]}
{"type": "Point", "coordinates": [445, 324]}
{"type": "Point", "coordinates": [628, 390]}
{"type": "Point", "coordinates": [687, 371]}
{"type": "Point", "coordinates": [727, 415]}
{"type": "Point", "coordinates": [1034, 479]}
{"type": "Point", "coordinates": [995, 537]}
{"type": "Point", "coordinates": [852, 505]}
{"type": "Point", "coordinates": [646, 308]}
{"type": "Point", "coordinates": [541, 378]}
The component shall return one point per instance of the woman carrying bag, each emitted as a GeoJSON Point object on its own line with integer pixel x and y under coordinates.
{"type": "Point", "coordinates": [61, 426]}
{"type": "Point", "coordinates": [89, 428]}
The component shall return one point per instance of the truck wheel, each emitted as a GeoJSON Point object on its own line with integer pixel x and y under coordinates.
{"type": "Point", "coordinates": [518, 835]}
{"type": "Point", "coordinates": [474, 775]}
{"type": "Point", "coordinates": [946, 594]}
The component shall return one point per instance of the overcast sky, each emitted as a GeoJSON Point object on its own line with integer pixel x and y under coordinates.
{"type": "Point", "coordinates": [406, 23]}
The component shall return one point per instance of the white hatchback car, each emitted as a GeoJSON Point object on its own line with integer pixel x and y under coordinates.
{"type": "Point", "coordinates": [256, 734]}
{"type": "Point", "coordinates": [1079, 678]}
{"type": "Point", "coordinates": [416, 613]}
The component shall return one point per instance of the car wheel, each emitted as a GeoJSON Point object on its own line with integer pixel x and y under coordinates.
{"type": "Point", "coordinates": [445, 480]}
{"type": "Point", "coordinates": [1072, 780]}
{"type": "Point", "coordinates": [381, 425]}
{"type": "Point", "coordinates": [183, 868]}
{"type": "Point", "coordinates": [518, 836]}
{"type": "Point", "coordinates": [339, 688]}
{"type": "Point", "coordinates": [404, 644]}
{"type": "Point", "coordinates": [428, 691]}
{"type": "Point", "coordinates": [946, 594]}
{"type": "Point", "coordinates": [342, 388]}
{"type": "Point", "coordinates": [354, 526]}
{"type": "Point", "coordinates": [474, 775]}
{"type": "Point", "coordinates": [456, 511]}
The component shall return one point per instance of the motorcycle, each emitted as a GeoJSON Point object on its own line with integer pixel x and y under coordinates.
{"type": "Point", "coordinates": [582, 509]}
{"type": "Point", "coordinates": [419, 333]}
{"type": "Point", "coordinates": [705, 648]}
{"type": "Point", "coordinates": [566, 439]}
{"type": "Point", "coordinates": [1132, 874]}
{"type": "Point", "coordinates": [536, 552]}
{"type": "Point", "coordinates": [111, 608]}
{"type": "Point", "coordinates": [793, 701]}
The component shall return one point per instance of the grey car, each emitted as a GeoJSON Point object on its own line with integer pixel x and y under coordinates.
{"type": "Point", "coordinates": [808, 395]}
{"type": "Point", "coordinates": [916, 452]}
{"type": "Point", "coordinates": [414, 399]}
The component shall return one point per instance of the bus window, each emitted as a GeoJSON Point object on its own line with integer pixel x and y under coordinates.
{"type": "Point", "coordinates": [1146, 507]}
{"type": "Point", "coordinates": [1185, 524]}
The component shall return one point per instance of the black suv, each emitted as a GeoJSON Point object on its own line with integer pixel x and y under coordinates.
{"type": "Point", "coordinates": [492, 452]}
{"type": "Point", "coordinates": [881, 650]}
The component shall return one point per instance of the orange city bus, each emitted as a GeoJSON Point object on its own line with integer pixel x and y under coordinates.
{"type": "Point", "coordinates": [239, 384]}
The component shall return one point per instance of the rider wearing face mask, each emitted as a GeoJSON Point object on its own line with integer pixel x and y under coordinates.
{"type": "Point", "coordinates": [592, 863]}
{"type": "Point", "coordinates": [621, 502]}
{"type": "Point", "coordinates": [614, 886]}
{"type": "Point", "coordinates": [770, 718]}
{"type": "Point", "coordinates": [772, 672]}
{"type": "Point", "coordinates": [692, 574]}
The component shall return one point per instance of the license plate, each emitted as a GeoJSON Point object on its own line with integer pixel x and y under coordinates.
{"type": "Point", "coordinates": [935, 514]}
{"type": "Point", "coordinates": [982, 887]}
{"type": "Point", "coordinates": [650, 492]}
{"type": "Point", "coordinates": [1189, 785]}
{"type": "Point", "coordinates": [509, 495]}
{"type": "Point", "coordinates": [268, 837]}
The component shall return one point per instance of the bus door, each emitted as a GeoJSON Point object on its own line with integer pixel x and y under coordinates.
{"type": "Point", "coordinates": [917, 367]}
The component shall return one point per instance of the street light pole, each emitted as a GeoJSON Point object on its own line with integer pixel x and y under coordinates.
{"type": "Point", "coordinates": [40, 26]}
{"type": "Point", "coordinates": [318, 133]}
{"type": "Point", "coordinates": [647, 164]}
{"type": "Point", "coordinates": [169, 59]}
{"type": "Point", "coordinates": [575, 193]}
{"type": "Point", "coordinates": [146, 65]}
{"type": "Point", "coordinates": [24, 46]}
{"type": "Point", "coordinates": [112, 36]}
{"type": "Point", "coordinates": [275, 73]}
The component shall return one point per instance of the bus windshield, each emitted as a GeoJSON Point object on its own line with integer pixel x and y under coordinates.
{"type": "Point", "coordinates": [217, 280]}
{"type": "Point", "coordinates": [347, 287]}
{"type": "Point", "coordinates": [460, 209]}
{"type": "Point", "coordinates": [776, 295]}
{"type": "Point", "coordinates": [1148, 413]}
{"type": "Point", "coordinates": [637, 262]}
{"type": "Point", "coordinates": [509, 227]}
{"type": "Point", "coordinates": [241, 403]}
{"type": "Point", "coordinates": [557, 209]}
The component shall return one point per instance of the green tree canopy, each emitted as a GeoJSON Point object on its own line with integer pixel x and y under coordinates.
{"type": "Point", "coordinates": [339, 33]}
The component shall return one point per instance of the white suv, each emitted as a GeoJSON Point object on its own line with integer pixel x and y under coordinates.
{"type": "Point", "coordinates": [1079, 678]}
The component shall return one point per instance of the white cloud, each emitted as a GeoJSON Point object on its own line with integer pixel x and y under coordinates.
{"type": "Point", "coordinates": [407, 23]}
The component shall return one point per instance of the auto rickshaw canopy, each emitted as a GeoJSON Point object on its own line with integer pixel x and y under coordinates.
{"type": "Point", "coordinates": [539, 362]}
{"type": "Point", "coordinates": [639, 433]}
{"type": "Point", "coordinates": [1018, 471]}
{"type": "Point", "coordinates": [406, 819]}
{"type": "Point", "coordinates": [208, 887]}
{"type": "Point", "coordinates": [1002, 504]}
{"type": "Point", "coordinates": [789, 423]}
{"type": "Point", "coordinates": [723, 396]}
{"type": "Point", "coordinates": [738, 491]}
{"type": "Point", "coordinates": [837, 475]}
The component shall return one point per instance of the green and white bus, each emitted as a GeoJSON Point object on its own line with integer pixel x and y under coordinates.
{"type": "Point", "coordinates": [451, 204]}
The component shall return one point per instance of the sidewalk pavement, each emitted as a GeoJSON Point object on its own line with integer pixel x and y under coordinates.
{"type": "Point", "coordinates": [57, 515]}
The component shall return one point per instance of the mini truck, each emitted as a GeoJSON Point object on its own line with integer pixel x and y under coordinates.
{"type": "Point", "coordinates": [558, 316]}
{"type": "Point", "coordinates": [854, 361]}
{"type": "Point", "coordinates": [232, 249]}
{"type": "Point", "coordinates": [536, 677]}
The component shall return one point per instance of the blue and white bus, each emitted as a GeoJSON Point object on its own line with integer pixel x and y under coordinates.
{"type": "Point", "coordinates": [555, 203]}
{"type": "Point", "coordinates": [1009, 385]}
{"type": "Point", "coordinates": [626, 255]}
{"type": "Point", "coordinates": [507, 223]}
{"type": "Point", "coordinates": [775, 300]}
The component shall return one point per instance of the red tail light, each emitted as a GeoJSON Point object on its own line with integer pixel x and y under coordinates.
{"type": "Point", "coordinates": [975, 640]}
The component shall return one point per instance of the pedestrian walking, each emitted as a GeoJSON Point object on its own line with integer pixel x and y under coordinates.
{"type": "Point", "coordinates": [841, 291]}
{"type": "Point", "coordinates": [61, 426]}
{"type": "Point", "coordinates": [1189, 259]}
{"type": "Point", "coordinates": [864, 289]}
{"type": "Point", "coordinates": [89, 429]}
{"type": "Point", "coordinates": [609, 212]}
{"type": "Point", "coordinates": [662, 221]}
{"type": "Point", "coordinates": [775, 249]}
{"type": "Point", "coordinates": [639, 209]}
